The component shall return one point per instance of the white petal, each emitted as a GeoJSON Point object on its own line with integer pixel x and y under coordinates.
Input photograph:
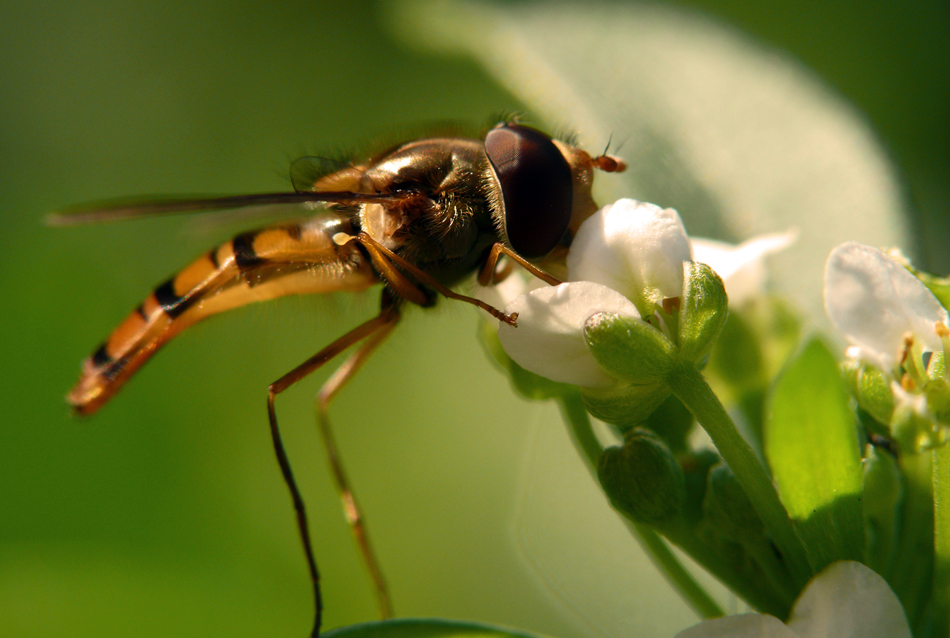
{"type": "Point", "coordinates": [629, 246]}
{"type": "Point", "coordinates": [873, 300]}
{"type": "Point", "coordinates": [549, 339]}
{"type": "Point", "coordinates": [848, 600]}
{"type": "Point", "coordinates": [742, 266]}
{"type": "Point", "coordinates": [740, 626]}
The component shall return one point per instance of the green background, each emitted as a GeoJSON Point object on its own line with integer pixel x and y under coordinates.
{"type": "Point", "coordinates": [165, 514]}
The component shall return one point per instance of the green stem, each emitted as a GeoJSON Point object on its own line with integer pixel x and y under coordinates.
{"type": "Point", "coordinates": [575, 413]}
{"type": "Point", "coordinates": [941, 584]}
{"type": "Point", "coordinates": [665, 560]}
{"type": "Point", "coordinates": [690, 387]}
{"type": "Point", "coordinates": [572, 407]}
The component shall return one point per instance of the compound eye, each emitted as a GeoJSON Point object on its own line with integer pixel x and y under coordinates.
{"type": "Point", "coordinates": [537, 189]}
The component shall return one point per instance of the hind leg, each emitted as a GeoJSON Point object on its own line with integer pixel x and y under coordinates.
{"type": "Point", "coordinates": [371, 333]}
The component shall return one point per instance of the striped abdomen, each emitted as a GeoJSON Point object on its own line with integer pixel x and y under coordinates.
{"type": "Point", "coordinates": [255, 266]}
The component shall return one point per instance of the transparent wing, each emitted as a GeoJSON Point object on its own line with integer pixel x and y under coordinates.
{"type": "Point", "coordinates": [148, 206]}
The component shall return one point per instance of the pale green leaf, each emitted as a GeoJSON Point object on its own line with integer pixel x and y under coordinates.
{"type": "Point", "coordinates": [812, 447]}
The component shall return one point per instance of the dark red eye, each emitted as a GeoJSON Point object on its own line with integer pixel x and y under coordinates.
{"type": "Point", "coordinates": [536, 188]}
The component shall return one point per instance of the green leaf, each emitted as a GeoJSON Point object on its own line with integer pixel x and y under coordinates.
{"type": "Point", "coordinates": [939, 286]}
{"type": "Point", "coordinates": [425, 628]}
{"type": "Point", "coordinates": [941, 583]}
{"type": "Point", "coordinates": [811, 444]}
{"type": "Point", "coordinates": [883, 491]}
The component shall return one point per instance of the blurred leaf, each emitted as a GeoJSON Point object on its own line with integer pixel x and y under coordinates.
{"type": "Point", "coordinates": [812, 447]}
{"type": "Point", "coordinates": [424, 628]}
{"type": "Point", "coordinates": [738, 138]}
{"type": "Point", "coordinates": [939, 286]}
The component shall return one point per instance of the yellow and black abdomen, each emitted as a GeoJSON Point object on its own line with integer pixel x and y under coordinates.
{"type": "Point", "coordinates": [255, 266]}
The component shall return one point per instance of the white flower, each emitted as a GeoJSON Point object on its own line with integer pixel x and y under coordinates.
{"type": "Point", "coordinates": [742, 266]}
{"type": "Point", "coordinates": [880, 307]}
{"type": "Point", "coordinates": [549, 339]}
{"type": "Point", "coordinates": [633, 247]}
{"type": "Point", "coordinates": [846, 600]}
{"type": "Point", "coordinates": [626, 251]}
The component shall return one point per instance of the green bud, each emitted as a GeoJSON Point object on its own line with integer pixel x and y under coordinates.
{"type": "Point", "coordinates": [629, 349]}
{"type": "Point", "coordinates": [728, 509]}
{"type": "Point", "coordinates": [642, 479]}
{"type": "Point", "coordinates": [871, 388]}
{"type": "Point", "coordinates": [703, 311]}
{"type": "Point", "coordinates": [625, 407]}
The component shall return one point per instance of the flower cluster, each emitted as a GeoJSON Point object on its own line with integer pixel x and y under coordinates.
{"type": "Point", "coordinates": [897, 331]}
{"type": "Point", "coordinates": [637, 305]}
{"type": "Point", "coordinates": [795, 511]}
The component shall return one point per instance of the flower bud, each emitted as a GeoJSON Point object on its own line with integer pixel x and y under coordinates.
{"type": "Point", "coordinates": [871, 388]}
{"type": "Point", "coordinates": [625, 407]}
{"type": "Point", "coordinates": [703, 311]}
{"type": "Point", "coordinates": [642, 479]}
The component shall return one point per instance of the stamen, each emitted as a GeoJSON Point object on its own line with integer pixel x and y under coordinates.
{"type": "Point", "coordinates": [907, 342]}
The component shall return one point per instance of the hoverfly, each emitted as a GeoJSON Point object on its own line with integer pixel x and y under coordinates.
{"type": "Point", "coordinates": [417, 218]}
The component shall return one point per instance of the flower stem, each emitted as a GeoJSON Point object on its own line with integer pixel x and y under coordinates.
{"type": "Point", "coordinates": [690, 387]}
{"type": "Point", "coordinates": [665, 560]}
{"type": "Point", "coordinates": [574, 412]}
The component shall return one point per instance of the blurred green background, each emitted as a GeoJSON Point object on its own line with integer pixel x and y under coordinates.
{"type": "Point", "coordinates": [165, 514]}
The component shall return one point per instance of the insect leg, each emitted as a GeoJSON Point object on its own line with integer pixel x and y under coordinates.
{"type": "Point", "coordinates": [486, 275]}
{"type": "Point", "coordinates": [381, 255]}
{"type": "Point", "coordinates": [350, 505]}
{"type": "Point", "coordinates": [384, 321]}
